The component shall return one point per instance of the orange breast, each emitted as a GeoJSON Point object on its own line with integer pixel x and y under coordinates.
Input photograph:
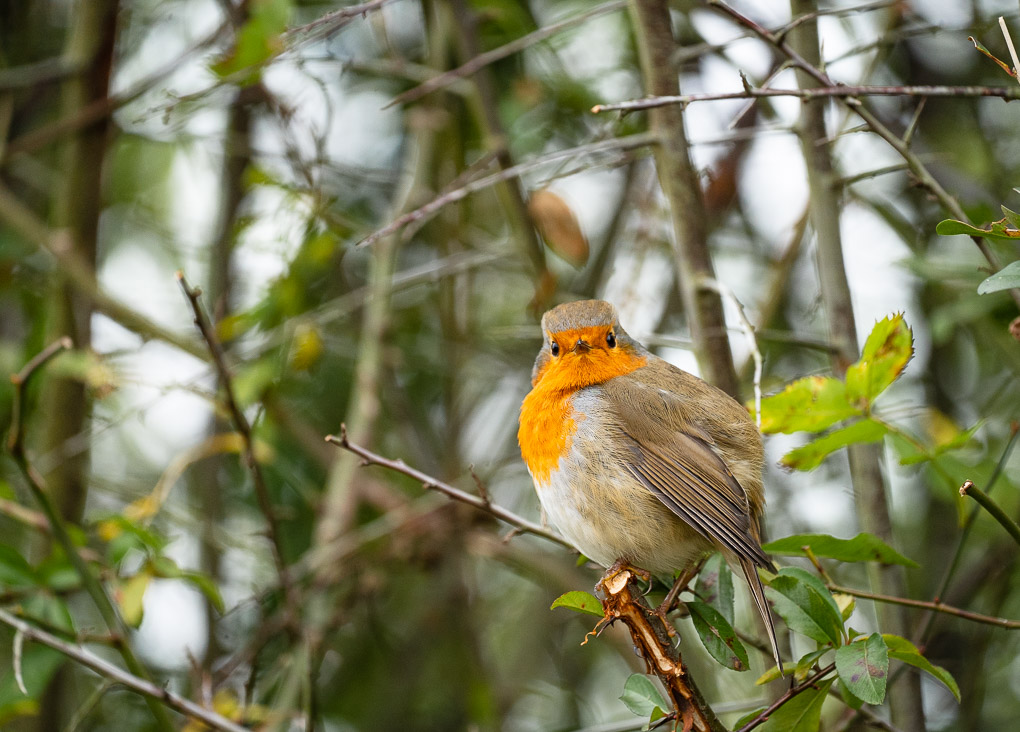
{"type": "Point", "coordinates": [546, 430]}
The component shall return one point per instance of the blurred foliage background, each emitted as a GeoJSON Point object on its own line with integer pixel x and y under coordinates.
{"type": "Point", "coordinates": [253, 144]}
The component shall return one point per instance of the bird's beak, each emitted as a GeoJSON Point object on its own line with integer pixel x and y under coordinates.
{"type": "Point", "coordinates": [581, 346]}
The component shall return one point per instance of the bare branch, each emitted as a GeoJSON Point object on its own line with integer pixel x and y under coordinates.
{"type": "Point", "coordinates": [429, 483]}
{"type": "Point", "coordinates": [936, 605]}
{"type": "Point", "coordinates": [109, 671]}
{"type": "Point", "coordinates": [838, 91]}
{"type": "Point", "coordinates": [433, 206]}
{"type": "Point", "coordinates": [243, 427]}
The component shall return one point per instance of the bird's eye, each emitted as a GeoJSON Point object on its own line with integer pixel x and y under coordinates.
{"type": "Point", "coordinates": [555, 348]}
{"type": "Point", "coordinates": [611, 339]}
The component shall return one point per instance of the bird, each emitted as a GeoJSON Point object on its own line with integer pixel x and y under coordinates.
{"type": "Point", "coordinates": [637, 461]}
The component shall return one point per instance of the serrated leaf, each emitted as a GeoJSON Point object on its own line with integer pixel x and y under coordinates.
{"type": "Point", "coordinates": [811, 455]}
{"type": "Point", "coordinates": [718, 636]}
{"type": "Point", "coordinates": [803, 713]}
{"type": "Point", "coordinates": [997, 229]}
{"type": "Point", "coordinates": [582, 602]}
{"type": "Point", "coordinates": [864, 667]}
{"type": "Point", "coordinates": [811, 404]}
{"type": "Point", "coordinates": [1005, 279]}
{"type": "Point", "coordinates": [862, 548]}
{"type": "Point", "coordinates": [642, 696]}
{"type": "Point", "coordinates": [806, 605]}
{"type": "Point", "coordinates": [889, 347]}
{"type": "Point", "coordinates": [715, 585]}
{"type": "Point", "coordinates": [903, 650]}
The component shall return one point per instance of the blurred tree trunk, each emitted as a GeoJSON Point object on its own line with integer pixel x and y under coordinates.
{"type": "Point", "coordinates": [681, 184]}
{"type": "Point", "coordinates": [865, 460]}
{"type": "Point", "coordinates": [75, 211]}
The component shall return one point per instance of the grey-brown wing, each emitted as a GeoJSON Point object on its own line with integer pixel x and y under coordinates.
{"type": "Point", "coordinates": [677, 463]}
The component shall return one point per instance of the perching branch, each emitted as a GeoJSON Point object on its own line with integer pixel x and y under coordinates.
{"type": "Point", "coordinates": [988, 503]}
{"type": "Point", "coordinates": [244, 428]}
{"type": "Point", "coordinates": [154, 693]}
{"type": "Point", "coordinates": [624, 601]}
{"type": "Point", "coordinates": [521, 525]}
{"type": "Point", "coordinates": [108, 611]}
{"type": "Point", "coordinates": [838, 91]}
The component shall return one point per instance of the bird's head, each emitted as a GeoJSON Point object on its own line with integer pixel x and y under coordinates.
{"type": "Point", "coordinates": [584, 344]}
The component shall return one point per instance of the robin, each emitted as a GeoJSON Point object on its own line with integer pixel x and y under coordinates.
{"type": "Point", "coordinates": [637, 461]}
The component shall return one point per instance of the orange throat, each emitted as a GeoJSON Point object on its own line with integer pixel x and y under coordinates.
{"type": "Point", "coordinates": [548, 420]}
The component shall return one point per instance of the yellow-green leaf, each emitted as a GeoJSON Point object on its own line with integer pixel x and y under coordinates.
{"type": "Point", "coordinates": [811, 455]}
{"type": "Point", "coordinates": [903, 650]}
{"type": "Point", "coordinates": [129, 597]}
{"type": "Point", "coordinates": [886, 352]}
{"type": "Point", "coordinates": [811, 404]}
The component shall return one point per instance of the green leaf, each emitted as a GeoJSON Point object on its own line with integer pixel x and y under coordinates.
{"type": "Point", "coordinates": [1002, 64]}
{"type": "Point", "coordinates": [207, 587]}
{"type": "Point", "coordinates": [50, 610]}
{"type": "Point", "coordinates": [862, 548]}
{"type": "Point", "coordinates": [582, 602]}
{"type": "Point", "coordinates": [849, 698]}
{"type": "Point", "coordinates": [641, 696]}
{"type": "Point", "coordinates": [810, 404]}
{"type": "Point", "coordinates": [889, 347]}
{"type": "Point", "coordinates": [811, 455]}
{"type": "Point", "coordinates": [258, 41]}
{"type": "Point", "coordinates": [715, 585]}
{"type": "Point", "coordinates": [1005, 279]}
{"type": "Point", "coordinates": [803, 713]}
{"type": "Point", "coordinates": [997, 230]}
{"type": "Point", "coordinates": [903, 650]}
{"type": "Point", "coordinates": [1012, 217]}
{"type": "Point", "coordinates": [806, 605]}
{"type": "Point", "coordinates": [864, 667]}
{"type": "Point", "coordinates": [718, 636]}
{"type": "Point", "coordinates": [15, 571]}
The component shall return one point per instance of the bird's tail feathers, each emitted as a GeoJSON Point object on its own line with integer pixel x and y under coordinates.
{"type": "Point", "coordinates": [758, 593]}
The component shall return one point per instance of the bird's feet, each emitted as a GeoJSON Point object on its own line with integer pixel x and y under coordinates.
{"type": "Point", "coordinates": [679, 585]}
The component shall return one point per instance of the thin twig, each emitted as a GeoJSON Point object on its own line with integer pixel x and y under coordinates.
{"type": "Point", "coordinates": [793, 691]}
{"type": "Point", "coordinates": [936, 606]}
{"type": "Point", "coordinates": [334, 20]}
{"type": "Point", "coordinates": [923, 175]}
{"type": "Point", "coordinates": [837, 91]}
{"type": "Point", "coordinates": [107, 670]}
{"type": "Point", "coordinates": [430, 483]}
{"type": "Point", "coordinates": [988, 503]}
{"type": "Point", "coordinates": [242, 425]}
{"type": "Point", "coordinates": [496, 54]}
{"type": "Point", "coordinates": [433, 206]}
{"type": "Point", "coordinates": [747, 328]}
{"type": "Point", "coordinates": [95, 590]}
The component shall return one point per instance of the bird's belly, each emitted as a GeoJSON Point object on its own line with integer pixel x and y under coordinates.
{"type": "Point", "coordinates": [608, 515]}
